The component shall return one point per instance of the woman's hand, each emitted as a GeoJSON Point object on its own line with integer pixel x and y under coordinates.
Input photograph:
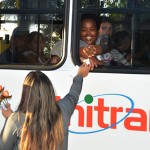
{"type": "Point", "coordinates": [93, 61]}
{"type": "Point", "coordinates": [7, 112]}
{"type": "Point", "coordinates": [84, 69]}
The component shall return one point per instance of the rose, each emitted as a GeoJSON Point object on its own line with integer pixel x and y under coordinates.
{"type": "Point", "coordinates": [4, 96]}
{"type": "Point", "coordinates": [5, 93]}
{"type": "Point", "coordinates": [1, 88]}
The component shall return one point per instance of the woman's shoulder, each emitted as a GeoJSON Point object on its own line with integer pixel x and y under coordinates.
{"type": "Point", "coordinates": [17, 117]}
{"type": "Point", "coordinates": [83, 44]}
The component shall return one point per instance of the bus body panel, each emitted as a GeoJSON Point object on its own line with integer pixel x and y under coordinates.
{"type": "Point", "coordinates": [118, 99]}
{"type": "Point", "coordinates": [117, 118]}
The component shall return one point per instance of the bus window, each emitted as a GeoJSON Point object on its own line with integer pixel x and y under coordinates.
{"type": "Point", "coordinates": [28, 32]}
{"type": "Point", "coordinates": [130, 48]}
{"type": "Point", "coordinates": [114, 4]}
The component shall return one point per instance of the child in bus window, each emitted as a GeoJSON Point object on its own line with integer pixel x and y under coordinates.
{"type": "Point", "coordinates": [105, 28]}
{"type": "Point", "coordinates": [122, 48]}
{"type": "Point", "coordinates": [105, 38]}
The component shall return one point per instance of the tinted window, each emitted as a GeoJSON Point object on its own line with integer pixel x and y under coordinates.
{"type": "Point", "coordinates": [29, 30]}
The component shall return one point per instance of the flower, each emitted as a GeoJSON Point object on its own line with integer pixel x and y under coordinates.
{"type": "Point", "coordinates": [4, 95]}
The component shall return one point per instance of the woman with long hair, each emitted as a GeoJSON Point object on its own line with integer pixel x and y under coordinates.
{"type": "Point", "coordinates": [41, 122]}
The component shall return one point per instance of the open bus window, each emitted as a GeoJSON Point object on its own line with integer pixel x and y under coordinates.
{"type": "Point", "coordinates": [128, 44]}
{"type": "Point", "coordinates": [29, 32]}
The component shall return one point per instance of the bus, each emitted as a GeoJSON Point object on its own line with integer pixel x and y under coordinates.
{"type": "Point", "coordinates": [113, 111]}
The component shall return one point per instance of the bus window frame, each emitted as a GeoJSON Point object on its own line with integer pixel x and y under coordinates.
{"type": "Point", "coordinates": [41, 11]}
{"type": "Point", "coordinates": [76, 35]}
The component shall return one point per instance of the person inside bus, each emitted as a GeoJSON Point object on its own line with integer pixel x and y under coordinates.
{"type": "Point", "coordinates": [18, 44]}
{"type": "Point", "coordinates": [121, 51]}
{"type": "Point", "coordinates": [41, 122]}
{"type": "Point", "coordinates": [122, 48]}
{"type": "Point", "coordinates": [105, 38]}
{"type": "Point", "coordinates": [36, 47]}
{"type": "Point", "coordinates": [88, 35]}
{"type": "Point", "coordinates": [105, 28]}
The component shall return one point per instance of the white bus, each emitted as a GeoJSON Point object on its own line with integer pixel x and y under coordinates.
{"type": "Point", "coordinates": [113, 112]}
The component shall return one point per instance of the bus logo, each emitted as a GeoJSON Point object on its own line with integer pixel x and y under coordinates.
{"type": "Point", "coordinates": [96, 115]}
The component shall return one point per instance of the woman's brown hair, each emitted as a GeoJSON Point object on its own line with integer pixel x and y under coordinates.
{"type": "Point", "coordinates": [43, 126]}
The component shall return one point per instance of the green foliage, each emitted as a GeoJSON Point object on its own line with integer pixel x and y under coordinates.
{"type": "Point", "coordinates": [115, 3]}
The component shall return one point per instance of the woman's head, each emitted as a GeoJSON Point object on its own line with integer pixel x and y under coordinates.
{"type": "Point", "coordinates": [38, 92]}
{"type": "Point", "coordinates": [43, 115]}
{"type": "Point", "coordinates": [89, 28]}
{"type": "Point", "coordinates": [36, 41]}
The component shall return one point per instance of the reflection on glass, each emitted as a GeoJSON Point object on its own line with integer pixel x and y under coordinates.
{"type": "Point", "coordinates": [28, 4]}
{"type": "Point", "coordinates": [45, 56]}
{"type": "Point", "coordinates": [46, 24]}
{"type": "Point", "coordinates": [115, 4]}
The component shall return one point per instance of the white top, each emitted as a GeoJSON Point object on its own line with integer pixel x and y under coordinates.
{"type": "Point", "coordinates": [57, 49]}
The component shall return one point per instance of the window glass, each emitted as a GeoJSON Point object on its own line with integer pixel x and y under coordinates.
{"type": "Point", "coordinates": [138, 28]}
{"type": "Point", "coordinates": [89, 3]}
{"type": "Point", "coordinates": [34, 4]}
{"type": "Point", "coordinates": [34, 36]}
{"type": "Point", "coordinates": [115, 3]}
{"type": "Point", "coordinates": [141, 51]}
{"type": "Point", "coordinates": [16, 31]}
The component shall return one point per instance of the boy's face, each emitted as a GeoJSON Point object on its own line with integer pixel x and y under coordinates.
{"type": "Point", "coordinates": [88, 32]}
{"type": "Point", "coordinates": [105, 29]}
{"type": "Point", "coordinates": [124, 47]}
